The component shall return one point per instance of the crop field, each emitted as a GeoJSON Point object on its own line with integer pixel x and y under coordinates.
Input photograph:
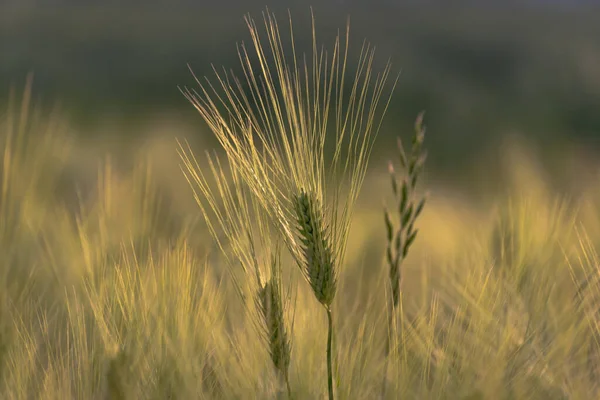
{"type": "Point", "coordinates": [295, 226]}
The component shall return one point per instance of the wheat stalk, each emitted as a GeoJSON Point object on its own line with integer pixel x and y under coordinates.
{"type": "Point", "coordinates": [275, 134]}
{"type": "Point", "coordinates": [318, 264]}
{"type": "Point", "coordinates": [228, 207]}
{"type": "Point", "coordinates": [401, 238]}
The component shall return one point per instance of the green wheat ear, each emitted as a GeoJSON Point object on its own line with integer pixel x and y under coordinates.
{"type": "Point", "coordinates": [272, 311]}
{"type": "Point", "coordinates": [271, 306]}
{"type": "Point", "coordinates": [318, 263]}
{"type": "Point", "coordinates": [319, 267]}
{"type": "Point", "coordinates": [231, 211]}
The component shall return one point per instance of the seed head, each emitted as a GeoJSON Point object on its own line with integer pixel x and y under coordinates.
{"type": "Point", "coordinates": [319, 263]}
{"type": "Point", "coordinates": [271, 308]}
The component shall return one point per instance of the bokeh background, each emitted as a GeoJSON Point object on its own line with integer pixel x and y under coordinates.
{"type": "Point", "coordinates": [482, 70]}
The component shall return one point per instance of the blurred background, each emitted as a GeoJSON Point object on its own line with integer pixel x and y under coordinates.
{"type": "Point", "coordinates": [487, 73]}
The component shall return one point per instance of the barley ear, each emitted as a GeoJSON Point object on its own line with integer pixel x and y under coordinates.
{"type": "Point", "coordinates": [246, 242]}
{"type": "Point", "coordinates": [319, 266]}
{"type": "Point", "coordinates": [318, 263]}
{"type": "Point", "coordinates": [270, 304]}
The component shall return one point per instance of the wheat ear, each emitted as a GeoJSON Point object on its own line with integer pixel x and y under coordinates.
{"type": "Point", "coordinates": [319, 264]}
{"type": "Point", "coordinates": [228, 207]}
{"type": "Point", "coordinates": [271, 305]}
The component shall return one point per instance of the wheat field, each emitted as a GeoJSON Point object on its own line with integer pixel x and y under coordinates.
{"type": "Point", "coordinates": [115, 285]}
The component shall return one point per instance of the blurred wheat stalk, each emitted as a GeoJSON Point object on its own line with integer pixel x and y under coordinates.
{"type": "Point", "coordinates": [401, 237]}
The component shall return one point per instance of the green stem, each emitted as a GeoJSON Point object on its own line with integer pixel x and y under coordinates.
{"type": "Point", "coordinates": [387, 353]}
{"type": "Point", "coordinates": [329, 364]}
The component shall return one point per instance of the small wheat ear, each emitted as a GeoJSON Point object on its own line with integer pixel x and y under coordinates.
{"type": "Point", "coordinates": [270, 302]}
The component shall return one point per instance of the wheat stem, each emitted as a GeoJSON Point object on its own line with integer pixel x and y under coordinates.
{"type": "Point", "coordinates": [329, 355]}
{"type": "Point", "coordinates": [387, 354]}
{"type": "Point", "coordinates": [318, 263]}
